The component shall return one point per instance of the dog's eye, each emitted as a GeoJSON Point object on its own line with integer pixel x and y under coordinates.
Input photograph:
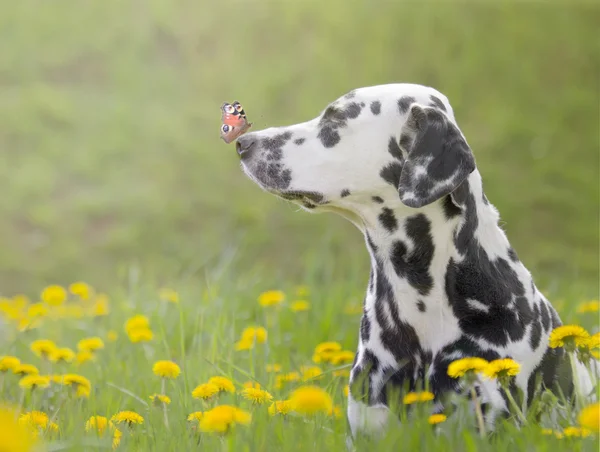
{"type": "Point", "coordinates": [225, 128]}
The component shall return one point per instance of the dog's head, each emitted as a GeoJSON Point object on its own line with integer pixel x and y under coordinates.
{"type": "Point", "coordinates": [393, 142]}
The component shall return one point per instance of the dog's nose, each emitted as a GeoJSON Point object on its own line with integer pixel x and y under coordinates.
{"type": "Point", "coordinates": [245, 144]}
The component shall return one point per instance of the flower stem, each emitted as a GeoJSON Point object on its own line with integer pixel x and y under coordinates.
{"type": "Point", "coordinates": [164, 405]}
{"type": "Point", "coordinates": [514, 404]}
{"type": "Point", "coordinates": [578, 395]}
{"type": "Point", "coordinates": [478, 412]}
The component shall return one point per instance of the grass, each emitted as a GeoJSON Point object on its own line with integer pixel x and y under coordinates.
{"type": "Point", "coordinates": [199, 333]}
{"type": "Point", "coordinates": [113, 173]}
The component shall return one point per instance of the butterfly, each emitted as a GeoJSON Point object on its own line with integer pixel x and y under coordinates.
{"type": "Point", "coordinates": [234, 121]}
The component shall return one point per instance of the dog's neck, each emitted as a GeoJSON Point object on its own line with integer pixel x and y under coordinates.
{"type": "Point", "coordinates": [412, 251]}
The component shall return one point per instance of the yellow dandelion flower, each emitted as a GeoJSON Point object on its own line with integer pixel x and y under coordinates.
{"type": "Point", "coordinates": [9, 363]}
{"type": "Point", "coordinates": [62, 355]}
{"type": "Point", "coordinates": [299, 306]}
{"type": "Point", "coordinates": [244, 344]}
{"type": "Point", "coordinates": [576, 432]}
{"type": "Point", "coordinates": [140, 335]}
{"type": "Point", "coordinates": [256, 396]}
{"type": "Point", "coordinates": [76, 381]}
{"type": "Point", "coordinates": [271, 298]}
{"type": "Point", "coordinates": [97, 424]}
{"type": "Point", "coordinates": [310, 372]}
{"type": "Point", "coordinates": [325, 347]}
{"type": "Point", "coordinates": [43, 347]}
{"type": "Point", "coordinates": [54, 295]}
{"type": "Point", "coordinates": [282, 407]}
{"type": "Point", "coordinates": [159, 399]}
{"type": "Point", "coordinates": [281, 379]}
{"type": "Point", "coordinates": [84, 357]}
{"type": "Point", "coordinates": [116, 438]}
{"type": "Point", "coordinates": [101, 306]}
{"type": "Point", "coordinates": [137, 322]}
{"type": "Point", "coordinates": [342, 357]}
{"type": "Point", "coordinates": [169, 295]}
{"type": "Point", "coordinates": [589, 306]}
{"type": "Point", "coordinates": [595, 354]}
{"type": "Point", "coordinates": [273, 368]}
{"type": "Point", "coordinates": [81, 289]}
{"type": "Point", "coordinates": [258, 334]}
{"type": "Point", "coordinates": [83, 392]}
{"type": "Point", "coordinates": [502, 368]}
{"type": "Point", "coordinates": [35, 419]}
{"type": "Point", "coordinates": [112, 336]}
{"type": "Point", "coordinates": [251, 384]}
{"type": "Point", "coordinates": [223, 417]}
{"type": "Point", "coordinates": [127, 417]}
{"type": "Point", "coordinates": [341, 373]}
{"type": "Point", "coordinates": [461, 367]}
{"type": "Point", "coordinates": [205, 391]}
{"type": "Point", "coordinates": [195, 416]}
{"type": "Point", "coordinates": [26, 369]}
{"type": "Point", "coordinates": [589, 417]}
{"type": "Point", "coordinates": [224, 384]}
{"type": "Point", "coordinates": [415, 397]}
{"type": "Point", "coordinates": [166, 369]}
{"type": "Point", "coordinates": [437, 419]}
{"type": "Point", "coordinates": [34, 381]}
{"type": "Point", "coordinates": [593, 342]}
{"type": "Point", "coordinates": [335, 412]}
{"type": "Point", "coordinates": [570, 335]}
{"type": "Point", "coordinates": [309, 400]}
{"type": "Point", "coordinates": [37, 310]}
{"type": "Point", "coordinates": [90, 344]}
{"type": "Point", "coordinates": [16, 436]}
{"type": "Point", "coordinates": [346, 390]}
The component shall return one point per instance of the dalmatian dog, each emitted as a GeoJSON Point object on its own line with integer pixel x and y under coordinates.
{"type": "Point", "coordinates": [445, 282]}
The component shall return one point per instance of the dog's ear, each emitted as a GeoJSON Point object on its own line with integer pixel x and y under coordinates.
{"type": "Point", "coordinates": [438, 157]}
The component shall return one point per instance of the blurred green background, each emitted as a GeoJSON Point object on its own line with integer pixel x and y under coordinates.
{"type": "Point", "coordinates": [110, 154]}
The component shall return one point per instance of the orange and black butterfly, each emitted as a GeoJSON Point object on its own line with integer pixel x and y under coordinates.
{"type": "Point", "coordinates": [234, 121]}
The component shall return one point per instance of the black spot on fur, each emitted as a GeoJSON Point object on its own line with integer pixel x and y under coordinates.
{"type": "Point", "coordinates": [421, 306]}
{"type": "Point", "coordinates": [406, 142]}
{"type": "Point", "coordinates": [545, 316]}
{"type": "Point", "coordinates": [513, 255]}
{"type": "Point", "coordinates": [350, 95]}
{"type": "Point", "coordinates": [388, 219]}
{"type": "Point", "coordinates": [365, 329]}
{"type": "Point", "coordinates": [404, 104]}
{"type": "Point", "coordinates": [377, 199]}
{"type": "Point", "coordinates": [309, 205]}
{"type": "Point", "coordinates": [437, 103]}
{"type": "Point", "coordinates": [391, 174]}
{"type": "Point", "coordinates": [394, 149]}
{"type": "Point", "coordinates": [451, 210]}
{"type": "Point", "coordinates": [299, 141]}
{"type": "Point", "coordinates": [273, 175]}
{"type": "Point", "coordinates": [375, 107]}
{"type": "Point", "coordinates": [536, 334]}
{"type": "Point", "coordinates": [276, 142]}
{"type": "Point", "coordinates": [345, 192]}
{"type": "Point", "coordinates": [414, 266]}
{"type": "Point", "coordinates": [329, 136]}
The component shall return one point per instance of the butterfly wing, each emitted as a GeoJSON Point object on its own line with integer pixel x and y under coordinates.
{"type": "Point", "coordinates": [234, 121]}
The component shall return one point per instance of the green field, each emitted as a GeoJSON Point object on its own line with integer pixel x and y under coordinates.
{"type": "Point", "coordinates": [113, 173]}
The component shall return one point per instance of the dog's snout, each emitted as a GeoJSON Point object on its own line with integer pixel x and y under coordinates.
{"type": "Point", "coordinates": [245, 144]}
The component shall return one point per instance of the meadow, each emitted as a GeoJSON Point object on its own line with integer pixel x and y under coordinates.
{"type": "Point", "coordinates": [114, 178]}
